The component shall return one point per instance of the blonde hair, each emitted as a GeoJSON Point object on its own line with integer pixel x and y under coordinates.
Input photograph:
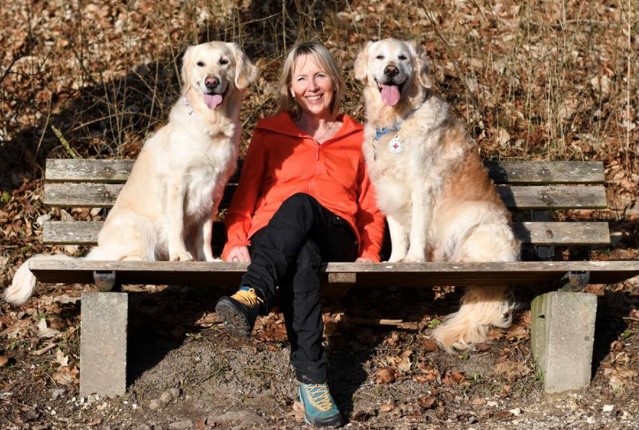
{"type": "Point", "coordinates": [325, 60]}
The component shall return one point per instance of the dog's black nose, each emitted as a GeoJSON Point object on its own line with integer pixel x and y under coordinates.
{"type": "Point", "coordinates": [391, 71]}
{"type": "Point", "coordinates": [211, 82]}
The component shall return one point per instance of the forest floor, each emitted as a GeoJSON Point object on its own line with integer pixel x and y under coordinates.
{"type": "Point", "coordinates": [533, 80]}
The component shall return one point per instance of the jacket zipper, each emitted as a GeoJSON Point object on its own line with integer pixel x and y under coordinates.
{"type": "Point", "coordinates": [316, 168]}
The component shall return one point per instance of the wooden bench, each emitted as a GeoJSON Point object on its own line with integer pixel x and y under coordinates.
{"type": "Point", "coordinates": [534, 191]}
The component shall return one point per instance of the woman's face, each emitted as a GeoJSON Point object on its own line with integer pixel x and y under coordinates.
{"type": "Point", "coordinates": [312, 86]}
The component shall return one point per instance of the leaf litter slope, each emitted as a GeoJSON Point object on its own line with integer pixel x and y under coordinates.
{"type": "Point", "coordinates": [532, 81]}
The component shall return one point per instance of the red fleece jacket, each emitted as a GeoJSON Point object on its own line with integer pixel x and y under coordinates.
{"type": "Point", "coordinates": [283, 160]}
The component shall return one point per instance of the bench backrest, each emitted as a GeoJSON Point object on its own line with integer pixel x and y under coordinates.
{"type": "Point", "coordinates": [532, 190]}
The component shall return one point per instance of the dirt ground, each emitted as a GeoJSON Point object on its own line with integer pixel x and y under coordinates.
{"type": "Point", "coordinates": [385, 371]}
{"type": "Point", "coordinates": [536, 80]}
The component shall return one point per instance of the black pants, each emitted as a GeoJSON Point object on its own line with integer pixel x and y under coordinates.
{"type": "Point", "coordinates": [288, 253]}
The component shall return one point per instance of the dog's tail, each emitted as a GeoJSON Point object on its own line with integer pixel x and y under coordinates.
{"type": "Point", "coordinates": [481, 308]}
{"type": "Point", "coordinates": [24, 282]}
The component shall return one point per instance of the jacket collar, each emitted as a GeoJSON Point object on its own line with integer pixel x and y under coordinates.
{"type": "Point", "coordinates": [282, 123]}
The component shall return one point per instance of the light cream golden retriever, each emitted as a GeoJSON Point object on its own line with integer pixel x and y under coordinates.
{"type": "Point", "coordinates": [431, 184]}
{"type": "Point", "coordinates": [165, 210]}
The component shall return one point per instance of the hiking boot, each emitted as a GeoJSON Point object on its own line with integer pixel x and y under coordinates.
{"type": "Point", "coordinates": [320, 409]}
{"type": "Point", "coordinates": [239, 311]}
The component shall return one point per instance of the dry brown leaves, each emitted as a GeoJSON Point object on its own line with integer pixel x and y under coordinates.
{"type": "Point", "coordinates": [533, 80]}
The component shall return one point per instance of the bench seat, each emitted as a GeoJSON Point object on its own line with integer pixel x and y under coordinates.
{"type": "Point", "coordinates": [548, 201]}
{"type": "Point", "coordinates": [197, 273]}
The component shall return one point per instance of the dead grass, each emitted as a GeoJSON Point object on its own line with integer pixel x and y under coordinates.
{"type": "Point", "coordinates": [534, 79]}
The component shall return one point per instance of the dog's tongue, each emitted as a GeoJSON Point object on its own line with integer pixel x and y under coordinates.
{"type": "Point", "coordinates": [212, 100]}
{"type": "Point", "coordinates": [390, 94]}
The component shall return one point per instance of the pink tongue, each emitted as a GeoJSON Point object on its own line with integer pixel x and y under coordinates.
{"type": "Point", "coordinates": [212, 100]}
{"type": "Point", "coordinates": [390, 94]}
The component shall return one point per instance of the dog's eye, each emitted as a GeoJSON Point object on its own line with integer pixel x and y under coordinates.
{"type": "Point", "coordinates": [200, 63]}
{"type": "Point", "coordinates": [380, 57]}
{"type": "Point", "coordinates": [224, 61]}
{"type": "Point", "coordinates": [402, 57]}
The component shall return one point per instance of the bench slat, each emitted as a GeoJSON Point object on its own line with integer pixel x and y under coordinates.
{"type": "Point", "coordinates": [546, 172]}
{"type": "Point", "coordinates": [95, 195]}
{"type": "Point", "coordinates": [553, 196]}
{"type": "Point", "coordinates": [85, 170]}
{"type": "Point", "coordinates": [370, 275]}
{"type": "Point", "coordinates": [504, 171]}
{"type": "Point", "coordinates": [536, 233]}
{"type": "Point", "coordinates": [563, 233]}
{"type": "Point", "coordinates": [521, 197]}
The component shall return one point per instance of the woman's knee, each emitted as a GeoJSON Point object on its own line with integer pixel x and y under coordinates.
{"type": "Point", "coordinates": [299, 200]}
{"type": "Point", "coordinates": [299, 209]}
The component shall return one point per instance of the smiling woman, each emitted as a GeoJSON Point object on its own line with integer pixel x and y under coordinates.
{"type": "Point", "coordinates": [313, 91]}
{"type": "Point", "coordinates": [304, 197]}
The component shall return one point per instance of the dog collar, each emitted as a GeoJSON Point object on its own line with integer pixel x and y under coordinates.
{"type": "Point", "coordinates": [380, 132]}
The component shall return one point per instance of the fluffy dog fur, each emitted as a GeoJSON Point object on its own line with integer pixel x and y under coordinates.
{"type": "Point", "coordinates": [431, 184]}
{"type": "Point", "coordinates": [165, 210]}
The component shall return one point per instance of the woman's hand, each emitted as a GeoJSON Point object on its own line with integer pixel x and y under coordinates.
{"type": "Point", "coordinates": [364, 260]}
{"type": "Point", "coordinates": [238, 254]}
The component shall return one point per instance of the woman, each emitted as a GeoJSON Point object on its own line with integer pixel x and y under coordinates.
{"type": "Point", "coordinates": [304, 197]}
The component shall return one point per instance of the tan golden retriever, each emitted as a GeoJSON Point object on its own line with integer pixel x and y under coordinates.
{"type": "Point", "coordinates": [431, 184]}
{"type": "Point", "coordinates": [165, 210]}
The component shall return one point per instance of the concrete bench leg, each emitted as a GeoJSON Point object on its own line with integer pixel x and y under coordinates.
{"type": "Point", "coordinates": [562, 336]}
{"type": "Point", "coordinates": [103, 344]}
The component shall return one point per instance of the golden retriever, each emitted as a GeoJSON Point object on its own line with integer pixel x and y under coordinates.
{"type": "Point", "coordinates": [438, 199]}
{"type": "Point", "coordinates": [165, 210]}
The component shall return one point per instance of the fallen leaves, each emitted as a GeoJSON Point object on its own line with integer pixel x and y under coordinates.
{"type": "Point", "coordinates": [525, 88]}
{"type": "Point", "coordinates": [453, 377]}
{"type": "Point", "coordinates": [67, 372]}
{"type": "Point", "coordinates": [18, 329]}
{"type": "Point", "coordinates": [298, 411]}
{"type": "Point", "coordinates": [511, 370]}
{"type": "Point", "coordinates": [44, 331]}
{"type": "Point", "coordinates": [620, 379]}
{"type": "Point", "coordinates": [385, 375]}
{"type": "Point", "coordinates": [387, 406]}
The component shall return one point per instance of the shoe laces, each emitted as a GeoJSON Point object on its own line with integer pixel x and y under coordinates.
{"type": "Point", "coordinates": [247, 297]}
{"type": "Point", "coordinates": [319, 396]}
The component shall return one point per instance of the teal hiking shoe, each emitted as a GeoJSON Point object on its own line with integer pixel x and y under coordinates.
{"type": "Point", "coordinates": [239, 311]}
{"type": "Point", "coordinates": [320, 409]}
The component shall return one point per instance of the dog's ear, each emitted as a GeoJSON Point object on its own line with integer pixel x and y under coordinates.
{"type": "Point", "coordinates": [184, 72]}
{"type": "Point", "coordinates": [245, 71]}
{"type": "Point", "coordinates": [359, 68]}
{"type": "Point", "coordinates": [422, 65]}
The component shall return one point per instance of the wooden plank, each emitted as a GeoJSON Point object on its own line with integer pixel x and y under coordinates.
{"type": "Point", "coordinates": [521, 197]}
{"type": "Point", "coordinates": [546, 172]}
{"type": "Point", "coordinates": [502, 171]}
{"type": "Point", "coordinates": [97, 195]}
{"type": "Point", "coordinates": [553, 196]}
{"type": "Point", "coordinates": [83, 170]}
{"type": "Point", "coordinates": [87, 170]}
{"type": "Point", "coordinates": [536, 233]}
{"type": "Point", "coordinates": [563, 233]}
{"type": "Point", "coordinates": [81, 194]}
{"type": "Point", "coordinates": [365, 274]}
{"type": "Point", "coordinates": [71, 232]}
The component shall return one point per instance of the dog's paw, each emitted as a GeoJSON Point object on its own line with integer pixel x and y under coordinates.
{"type": "Point", "coordinates": [413, 260]}
{"type": "Point", "coordinates": [181, 256]}
{"type": "Point", "coordinates": [414, 257]}
{"type": "Point", "coordinates": [396, 257]}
